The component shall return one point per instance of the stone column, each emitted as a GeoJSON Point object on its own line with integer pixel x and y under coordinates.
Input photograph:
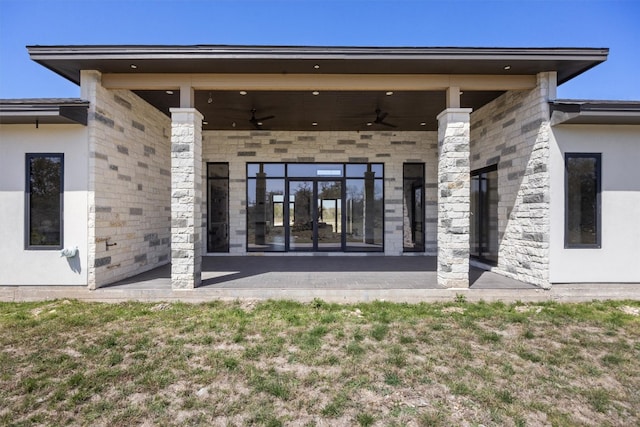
{"type": "Point", "coordinates": [186, 198]}
{"type": "Point", "coordinates": [453, 197]}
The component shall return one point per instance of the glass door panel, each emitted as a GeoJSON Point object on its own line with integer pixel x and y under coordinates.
{"type": "Point", "coordinates": [329, 215]}
{"type": "Point", "coordinates": [301, 216]}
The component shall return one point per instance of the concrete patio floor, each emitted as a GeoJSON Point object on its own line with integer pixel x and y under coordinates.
{"type": "Point", "coordinates": [318, 272]}
{"type": "Point", "coordinates": [331, 278]}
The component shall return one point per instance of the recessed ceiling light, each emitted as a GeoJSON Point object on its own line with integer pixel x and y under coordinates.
{"type": "Point", "coordinates": [389, 93]}
{"type": "Point", "coordinates": [423, 123]}
{"type": "Point", "coordinates": [507, 67]}
{"type": "Point", "coordinates": [315, 93]}
{"type": "Point", "coordinates": [210, 100]}
{"type": "Point", "coordinates": [243, 92]}
{"type": "Point", "coordinates": [169, 92]}
{"type": "Point", "coordinates": [133, 66]}
{"type": "Point", "coordinates": [461, 92]}
{"type": "Point", "coordinates": [369, 124]}
{"type": "Point", "coordinates": [314, 124]}
{"type": "Point", "coordinates": [205, 123]}
{"type": "Point", "coordinates": [316, 66]}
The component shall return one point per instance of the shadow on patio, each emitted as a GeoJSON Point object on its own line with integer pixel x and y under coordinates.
{"type": "Point", "coordinates": [318, 272]}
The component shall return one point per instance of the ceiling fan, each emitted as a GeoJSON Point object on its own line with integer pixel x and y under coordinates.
{"type": "Point", "coordinates": [380, 116]}
{"type": "Point", "coordinates": [258, 121]}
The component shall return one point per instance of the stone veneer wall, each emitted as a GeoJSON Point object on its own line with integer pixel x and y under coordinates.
{"type": "Point", "coordinates": [129, 183]}
{"type": "Point", "coordinates": [513, 132]}
{"type": "Point", "coordinates": [391, 148]}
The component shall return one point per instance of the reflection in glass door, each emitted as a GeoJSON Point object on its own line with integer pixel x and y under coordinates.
{"type": "Point", "coordinates": [315, 215]}
{"type": "Point", "coordinates": [329, 215]}
{"type": "Point", "coordinates": [217, 207]}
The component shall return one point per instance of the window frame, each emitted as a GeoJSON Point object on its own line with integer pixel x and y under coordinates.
{"type": "Point", "coordinates": [27, 202]}
{"type": "Point", "coordinates": [422, 189]}
{"type": "Point", "coordinates": [482, 203]}
{"type": "Point", "coordinates": [598, 222]}
{"type": "Point", "coordinates": [226, 180]}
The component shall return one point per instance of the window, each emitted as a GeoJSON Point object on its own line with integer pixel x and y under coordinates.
{"type": "Point", "coordinates": [43, 201]}
{"type": "Point", "coordinates": [413, 207]}
{"type": "Point", "coordinates": [582, 200]}
{"type": "Point", "coordinates": [218, 207]}
{"type": "Point", "coordinates": [315, 207]}
{"type": "Point", "coordinates": [483, 231]}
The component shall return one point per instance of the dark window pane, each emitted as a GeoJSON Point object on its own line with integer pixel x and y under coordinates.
{"type": "Point", "coordinates": [44, 211]}
{"type": "Point", "coordinates": [413, 207]}
{"type": "Point", "coordinates": [218, 170]}
{"type": "Point", "coordinates": [483, 232]}
{"type": "Point", "coordinates": [582, 199]}
{"type": "Point", "coordinates": [218, 207]}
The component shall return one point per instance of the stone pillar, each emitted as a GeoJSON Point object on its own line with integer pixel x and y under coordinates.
{"type": "Point", "coordinates": [186, 198]}
{"type": "Point", "coordinates": [453, 197]}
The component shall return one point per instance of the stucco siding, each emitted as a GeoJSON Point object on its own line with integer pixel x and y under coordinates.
{"type": "Point", "coordinates": [19, 266]}
{"type": "Point", "coordinates": [617, 258]}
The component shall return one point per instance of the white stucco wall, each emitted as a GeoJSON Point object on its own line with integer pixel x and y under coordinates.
{"type": "Point", "coordinates": [617, 259]}
{"type": "Point", "coordinates": [42, 267]}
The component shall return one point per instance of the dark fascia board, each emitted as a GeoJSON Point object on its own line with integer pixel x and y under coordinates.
{"type": "Point", "coordinates": [69, 60]}
{"type": "Point", "coordinates": [582, 111]}
{"type": "Point", "coordinates": [44, 110]}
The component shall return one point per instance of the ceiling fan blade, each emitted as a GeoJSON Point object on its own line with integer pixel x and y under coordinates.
{"type": "Point", "coordinates": [381, 117]}
{"type": "Point", "coordinates": [261, 119]}
{"type": "Point", "coordinates": [388, 124]}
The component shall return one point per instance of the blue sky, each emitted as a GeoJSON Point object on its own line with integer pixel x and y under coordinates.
{"type": "Point", "coordinates": [543, 23]}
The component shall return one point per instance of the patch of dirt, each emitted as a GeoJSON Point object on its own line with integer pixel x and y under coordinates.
{"type": "Point", "coordinates": [634, 311]}
{"type": "Point", "coordinates": [448, 310]}
{"type": "Point", "coordinates": [161, 307]}
{"type": "Point", "coordinates": [528, 308]}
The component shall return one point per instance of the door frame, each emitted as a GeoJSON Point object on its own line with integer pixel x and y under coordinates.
{"type": "Point", "coordinates": [315, 213]}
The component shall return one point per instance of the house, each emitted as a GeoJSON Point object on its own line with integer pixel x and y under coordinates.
{"type": "Point", "coordinates": [173, 153]}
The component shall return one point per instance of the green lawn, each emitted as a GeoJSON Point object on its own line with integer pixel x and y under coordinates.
{"type": "Point", "coordinates": [286, 363]}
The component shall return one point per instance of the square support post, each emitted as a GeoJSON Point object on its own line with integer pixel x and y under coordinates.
{"type": "Point", "coordinates": [186, 198]}
{"type": "Point", "coordinates": [453, 197]}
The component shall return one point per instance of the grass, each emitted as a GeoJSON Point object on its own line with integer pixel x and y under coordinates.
{"type": "Point", "coordinates": [280, 363]}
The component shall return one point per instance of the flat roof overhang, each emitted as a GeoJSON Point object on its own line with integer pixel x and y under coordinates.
{"type": "Point", "coordinates": [69, 60]}
{"type": "Point", "coordinates": [353, 81]}
{"type": "Point", "coordinates": [44, 111]}
{"type": "Point", "coordinates": [571, 111]}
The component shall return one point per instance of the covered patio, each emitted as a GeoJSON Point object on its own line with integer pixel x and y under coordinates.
{"type": "Point", "coordinates": [330, 274]}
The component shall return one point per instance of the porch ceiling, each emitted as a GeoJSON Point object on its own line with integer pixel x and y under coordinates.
{"type": "Point", "coordinates": [343, 108]}
{"type": "Point", "coordinates": [332, 110]}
